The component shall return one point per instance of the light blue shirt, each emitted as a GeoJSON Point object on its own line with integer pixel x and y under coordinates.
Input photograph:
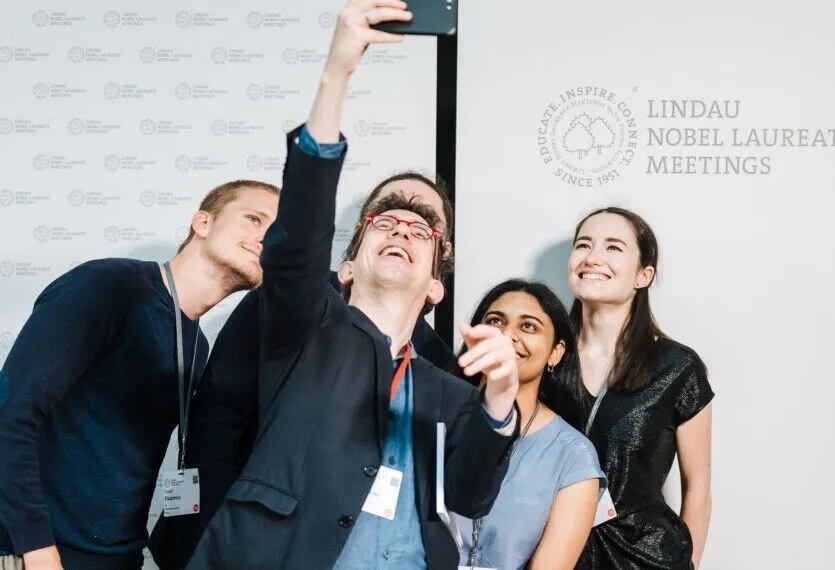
{"type": "Point", "coordinates": [543, 462]}
{"type": "Point", "coordinates": [396, 544]}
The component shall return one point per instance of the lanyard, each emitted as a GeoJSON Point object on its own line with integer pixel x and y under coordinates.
{"type": "Point", "coordinates": [184, 396]}
{"type": "Point", "coordinates": [595, 407]}
{"type": "Point", "coordinates": [477, 522]}
{"type": "Point", "coordinates": [400, 372]}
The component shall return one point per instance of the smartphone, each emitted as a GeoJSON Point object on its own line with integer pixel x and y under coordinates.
{"type": "Point", "coordinates": [429, 18]}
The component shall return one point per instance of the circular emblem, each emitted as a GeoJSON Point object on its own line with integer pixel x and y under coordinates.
{"type": "Point", "coordinates": [587, 136]}
{"type": "Point", "coordinates": [40, 18]}
{"type": "Point", "coordinates": [183, 91]}
{"type": "Point", "coordinates": [182, 163]}
{"type": "Point", "coordinates": [76, 126]}
{"type": "Point", "coordinates": [77, 198]}
{"type": "Point", "coordinates": [112, 19]}
{"type": "Point", "coordinates": [326, 20]}
{"type": "Point", "coordinates": [148, 54]}
{"type": "Point", "coordinates": [112, 91]}
{"type": "Point", "coordinates": [254, 163]}
{"type": "Point", "coordinates": [76, 54]}
{"type": "Point", "coordinates": [361, 128]}
{"type": "Point", "coordinates": [40, 162]}
{"type": "Point", "coordinates": [6, 339]}
{"type": "Point", "coordinates": [254, 91]}
{"type": "Point", "coordinates": [289, 125]}
{"type": "Point", "coordinates": [181, 233]}
{"type": "Point", "coordinates": [41, 233]}
{"type": "Point", "coordinates": [6, 54]}
{"type": "Point", "coordinates": [6, 268]}
{"type": "Point", "coordinates": [218, 127]}
{"type": "Point", "coordinates": [255, 19]}
{"type": "Point", "coordinates": [112, 162]}
{"type": "Point", "coordinates": [291, 56]}
{"type": "Point", "coordinates": [219, 55]}
{"type": "Point", "coordinates": [112, 233]}
{"type": "Point", "coordinates": [147, 126]}
{"type": "Point", "coordinates": [147, 198]}
{"type": "Point", "coordinates": [6, 197]}
{"type": "Point", "coordinates": [40, 90]}
{"type": "Point", "coordinates": [6, 126]}
{"type": "Point", "coordinates": [182, 19]}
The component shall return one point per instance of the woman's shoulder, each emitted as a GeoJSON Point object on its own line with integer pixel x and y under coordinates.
{"type": "Point", "coordinates": [674, 355]}
{"type": "Point", "coordinates": [682, 374]}
{"type": "Point", "coordinates": [568, 439]}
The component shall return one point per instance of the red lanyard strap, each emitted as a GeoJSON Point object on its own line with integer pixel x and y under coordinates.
{"type": "Point", "coordinates": [401, 372]}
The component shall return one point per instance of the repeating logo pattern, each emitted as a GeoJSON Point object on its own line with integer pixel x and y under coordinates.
{"type": "Point", "coordinates": [190, 97]}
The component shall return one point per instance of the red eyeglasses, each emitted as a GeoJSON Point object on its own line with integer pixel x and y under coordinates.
{"type": "Point", "coordinates": [387, 222]}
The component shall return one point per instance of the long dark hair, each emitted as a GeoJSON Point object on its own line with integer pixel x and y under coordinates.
{"type": "Point", "coordinates": [566, 374]}
{"type": "Point", "coordinates": [636, 348]}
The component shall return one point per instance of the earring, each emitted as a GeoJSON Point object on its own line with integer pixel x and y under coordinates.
{"type": "Point", "coordinates": [549, 369]}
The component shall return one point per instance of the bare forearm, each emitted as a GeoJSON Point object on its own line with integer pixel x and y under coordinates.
{"type": "Point", "coordinates": [695, 512]}
{"type": "Point", "coordinates": [326, 113]}
{"type": "Point", "coordinates": [43, 559]}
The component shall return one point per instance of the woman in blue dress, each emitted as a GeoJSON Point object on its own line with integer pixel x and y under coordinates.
{"type": "Point", "coordinates": [546, 506]}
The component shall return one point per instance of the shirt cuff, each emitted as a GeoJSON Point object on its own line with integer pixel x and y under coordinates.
{"type": "Point", "coordinates": [502, 427]}
{"type": "Point", "coordinates": [309, 146]}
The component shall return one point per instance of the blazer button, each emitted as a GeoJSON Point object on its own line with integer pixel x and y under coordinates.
{"type": "Point", "coordinates": [346, 521]}
{"type": "Point", "coordinates": [370, 470]}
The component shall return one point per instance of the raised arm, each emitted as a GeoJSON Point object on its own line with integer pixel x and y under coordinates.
{"type": "Point", "coordinates": [297, 247]}
{"type": "Point", "coordinates": [479, 460]}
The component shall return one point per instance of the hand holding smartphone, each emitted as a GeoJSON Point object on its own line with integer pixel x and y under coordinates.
{"type": "Point", "coordinates": [429, 18]}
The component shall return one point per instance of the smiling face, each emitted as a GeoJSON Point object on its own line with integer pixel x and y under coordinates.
{"type": "Point", "coordinates": [395, 258]}
{"type": "Point", "coordinates": [391, 255]}
{"type": "Point", "coordinates": [520, 316]}
{"type": "Point", "coordinates": [605, 263]}
{"type": "Point", "coordinates": [232, 239]}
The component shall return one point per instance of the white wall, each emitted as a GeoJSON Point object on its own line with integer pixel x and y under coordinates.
{"type": "Point", "coordinates": [116, 119]}
{"type": "Point", "coordinates": [746, 268]}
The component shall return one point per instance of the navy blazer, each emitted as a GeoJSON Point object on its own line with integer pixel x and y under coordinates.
{"type": "Point", "coordinates": [223, 421]}
{"type": "Point", "coordinates": [323, 399]}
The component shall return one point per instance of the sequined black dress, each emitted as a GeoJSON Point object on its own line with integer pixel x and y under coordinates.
{"type": "Point", "coordinates": [635, 439]}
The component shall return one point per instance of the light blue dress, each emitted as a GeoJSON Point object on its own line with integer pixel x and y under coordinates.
{"type": "Point", "coordinates": [554, 457]}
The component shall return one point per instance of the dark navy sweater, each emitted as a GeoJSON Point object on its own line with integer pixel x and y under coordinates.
{"type": "Point", "coordinates": [88, 401]}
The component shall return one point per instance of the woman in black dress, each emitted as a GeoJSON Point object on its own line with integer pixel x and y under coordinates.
{"type": "Point", "coordinates": [647, 398]}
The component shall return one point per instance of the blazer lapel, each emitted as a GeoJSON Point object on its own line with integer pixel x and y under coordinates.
{"type": "Point", "coordinates": [383, 369]}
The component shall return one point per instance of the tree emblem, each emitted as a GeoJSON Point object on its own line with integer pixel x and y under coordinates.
{"type": "Point", "coordinates": [585, 134]}
{"type": "Point", "coordinates": [603, 134]}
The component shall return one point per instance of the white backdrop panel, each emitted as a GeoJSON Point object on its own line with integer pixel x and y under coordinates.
{"type": "Point", "coordinates": [116, 119]}
{"type": "Point", "coordinates": [744, 232]}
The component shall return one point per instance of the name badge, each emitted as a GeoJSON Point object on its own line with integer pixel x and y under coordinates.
{"type": "Point", "coordinates": [382, 499]}
{"type": "Point", "coordinates": [605, 509]}
{"type": "Point", "coordinates": [180, 492]}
